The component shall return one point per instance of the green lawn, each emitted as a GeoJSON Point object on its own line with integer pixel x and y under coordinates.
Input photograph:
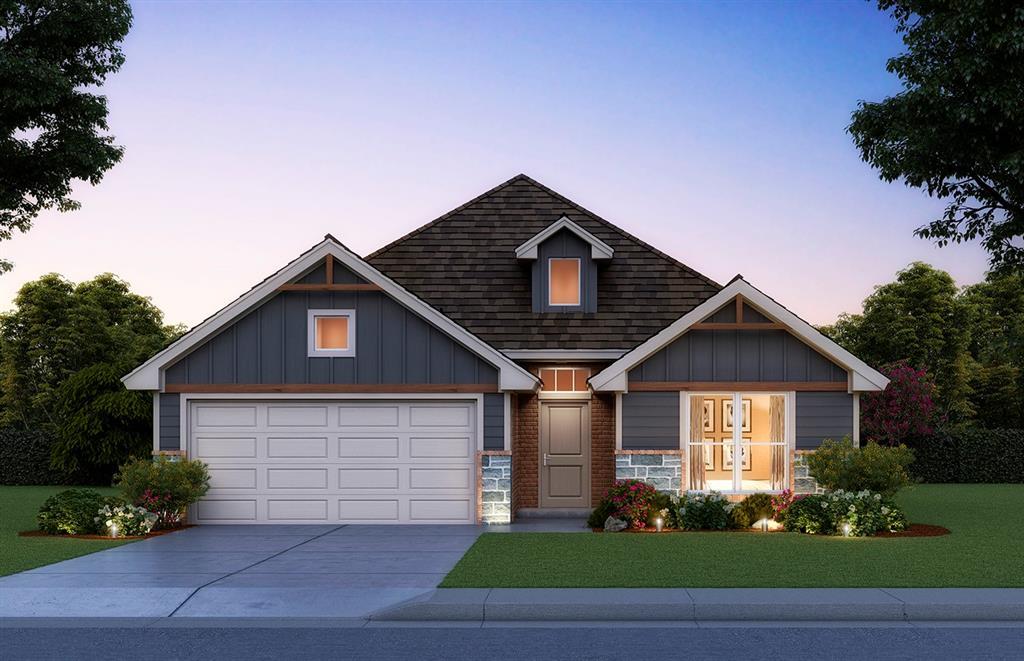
{"type": "Point", "coordinates": [985, 549]}
{"type": "Point", "coordinates": [18, 507]}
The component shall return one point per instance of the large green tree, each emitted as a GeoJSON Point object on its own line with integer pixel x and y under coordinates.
{"type": "Point", "coordinates": [956, 129]}
{"type": "Point", "coordinates": [62, 351]}
{"type": "Point", "coordinates": [54, 54]}
{"type": "Point", "coordinates": [921, 319]}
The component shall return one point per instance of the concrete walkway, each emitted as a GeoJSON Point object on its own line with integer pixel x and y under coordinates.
{"type": "Point", "coordinates": [713, 604]}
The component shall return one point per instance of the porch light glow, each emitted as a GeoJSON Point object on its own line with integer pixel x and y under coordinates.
{"type": "Point", "coordinates": [659, 524]}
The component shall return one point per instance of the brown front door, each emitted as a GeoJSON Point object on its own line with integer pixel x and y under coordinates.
{"type": "Point", "coordinates": [565, 454]}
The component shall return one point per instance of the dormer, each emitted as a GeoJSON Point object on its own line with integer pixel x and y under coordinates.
{"type": "Point", "coordinates": [564, 260]}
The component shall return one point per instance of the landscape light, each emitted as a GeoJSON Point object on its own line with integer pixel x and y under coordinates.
{"type": "Point", "coordinates": [846, 529]}
{"type": "Point", "coordinates": [658, 523]}
{"type": "Point", "coordinates": [113, 530]}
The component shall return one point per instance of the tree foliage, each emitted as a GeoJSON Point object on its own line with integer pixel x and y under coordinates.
{"type": "Point", "coordinates": [53, 56]}
{"type": "Point", "coordinates": [902, 413]}
{"type": "Point", "coordinates": [956, 129]}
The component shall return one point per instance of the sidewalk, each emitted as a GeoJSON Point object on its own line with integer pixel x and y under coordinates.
{"type": "Point", "coordinates": [712, 604]}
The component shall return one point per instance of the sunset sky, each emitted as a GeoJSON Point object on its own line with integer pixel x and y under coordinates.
{"type": "Point", "coordinates": [714, 131]}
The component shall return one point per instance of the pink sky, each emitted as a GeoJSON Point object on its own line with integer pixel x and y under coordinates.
{"type": "Point", "coordinates": [715, 134]}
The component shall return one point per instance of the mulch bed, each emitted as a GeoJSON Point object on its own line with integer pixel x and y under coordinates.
{"type": "Point", "coordinates": [155, 533]}
{"type": "Point", "coordinates": [917, 530]}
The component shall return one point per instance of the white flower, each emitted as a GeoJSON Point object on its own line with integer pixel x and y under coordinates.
{"type": "Point", "coordinates": [109, 523]}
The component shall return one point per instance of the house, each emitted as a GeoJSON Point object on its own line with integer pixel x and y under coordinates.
{"type": "Point", "coordinates": [518, 353]}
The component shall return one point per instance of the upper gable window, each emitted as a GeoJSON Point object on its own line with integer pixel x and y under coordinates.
{"type": "Point", "coordinates": [332, 333]}
{"type": "Point", "coordinates": [564, 282]}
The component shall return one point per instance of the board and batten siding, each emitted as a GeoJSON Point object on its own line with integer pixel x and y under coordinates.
{"type": "Point", "coordinates": [650, 421]}
{"type": "Point", "coordinates": [494, 421]}
{"type": "Point", "coordinates": [727, 355]}
{"type": "Point", "coordinates": [170, 421]}
{"type": "Point", "coordinates": [821, 415]}
{"type": "Point", "coordinates": [392, 346]}
{"type": "Point", "coordinates": [564, 244]}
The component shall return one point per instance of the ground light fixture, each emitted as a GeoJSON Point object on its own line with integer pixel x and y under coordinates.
{"type": "Point", "coordinates": [846, 529]}
{"type": "Point", "coordinates": [659, 523]}
{"type": "Point", "coordinates": [113, 530]}
{"type": "Point", "coordinates": [764, 525]}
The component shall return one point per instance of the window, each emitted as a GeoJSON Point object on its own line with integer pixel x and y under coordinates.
{"type": "Point", "coordinates": [564, 379]}
{"type": "Point", "coordinates": [564, 281]}
{"type": "Point", "coordinates": [332, 333]}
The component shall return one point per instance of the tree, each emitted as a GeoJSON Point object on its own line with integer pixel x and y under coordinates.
{"type": "Point", "coordinates": [957, 128]}
{"type": "Point", "coordinates": [53, 56]}
{"type": "Point", "coordinates": [920, 319]}
{"type": "Point", "coordinates": [902, 413]}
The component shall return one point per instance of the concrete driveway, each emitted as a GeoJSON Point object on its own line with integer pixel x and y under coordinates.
{"type": "Point", "coordinates": [245, 571]}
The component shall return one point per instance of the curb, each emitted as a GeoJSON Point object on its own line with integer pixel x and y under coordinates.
{"type": "Point", "coordinates": [711, 604]}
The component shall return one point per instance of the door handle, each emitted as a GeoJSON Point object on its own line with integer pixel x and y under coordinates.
{"type": "Point", "coordinates": [546, 458]}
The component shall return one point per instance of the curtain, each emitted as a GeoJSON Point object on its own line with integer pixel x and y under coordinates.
{"type": "Point", "coordinates": [696, 448]}
{"type": "Point", "coordinates": [777, 430]}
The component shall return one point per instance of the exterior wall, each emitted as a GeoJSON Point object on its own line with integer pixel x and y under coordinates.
{"type": "Point", "coordinates": [650, 421]}
{"type": "Point", "coordinates": [564, 244]}
{"type": "Point", "coordinates": [821, 415]}
{"type": "Point", "coordinates": [726, 355]}
{"type": "Point", "coordinates": [525, 450]}
{"type": "Point", "coordinates": [494, 421]}
{"type": "Point", "coordinates": [802, 480]}
{"type": "Point", "coordinates": [602, 446]}
{"type": "Point", "coordinates": [170, 421]}
{"type": "Point", "coordinates": [662, 470]}
{"type": "Point", "coordinates": [495, 487]}
{"type": "Point", "coordinates": [269, 346]}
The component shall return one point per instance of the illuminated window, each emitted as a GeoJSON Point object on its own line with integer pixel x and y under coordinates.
{"type": "Point", "coordinates": [564, 379]}
{"type": "Point", "coordinates": [332, 333]}
{"type": "Point", "coordinates": [564, 281]}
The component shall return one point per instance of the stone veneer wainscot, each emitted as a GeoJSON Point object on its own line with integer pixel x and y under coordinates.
{"type": "Point", "coordinates": [663, 470]}
{"type": "Point", "coordinates": [803, 483]}
{"type": "Point", "coordinates": [495, 487]}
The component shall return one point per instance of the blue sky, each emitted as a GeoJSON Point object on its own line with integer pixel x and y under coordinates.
{"type": "Point", "coordinates": [714, 131]}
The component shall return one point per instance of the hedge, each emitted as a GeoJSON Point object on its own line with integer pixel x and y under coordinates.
{"type": "Point", "coordinates": [25, 458]}
{"type": "Point", "coordinates": [970, 455]}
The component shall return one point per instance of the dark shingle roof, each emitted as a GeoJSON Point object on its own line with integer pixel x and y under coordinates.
{"type": "Point", "coordinates": [464, 264]}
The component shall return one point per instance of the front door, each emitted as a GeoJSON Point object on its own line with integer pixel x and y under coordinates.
{"type": "Point", "coordinates": [565, 454]}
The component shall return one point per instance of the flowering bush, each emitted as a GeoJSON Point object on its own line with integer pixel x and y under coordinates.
{"type": "Point", "coordinates": [781, 503]}
{"type": "Point", "coordinates": [163, 486]}
{"type": "Point", "coordinates": [864, 512]}
{"type": "Point", "coordinates": [125, 520]}
{"type": "Point", "coordinates": [703, 511]}
{"type": "Point", "coordinates": [843, 466]}
{"type": "Point", "coordinates": [904, 411]}
{"type": "Point", "coordinates": [632, 501]}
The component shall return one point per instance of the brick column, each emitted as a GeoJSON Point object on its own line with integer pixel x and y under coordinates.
{"type": "Point", "coordinates": [525, 437]}
{"type": "Point", "coordinates": [602, 446]}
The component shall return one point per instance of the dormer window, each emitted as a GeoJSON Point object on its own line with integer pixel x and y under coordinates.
{"type": "Point", "coordinates": [564, 282]}
{"type": "Point", "coordinates": [564, 267]}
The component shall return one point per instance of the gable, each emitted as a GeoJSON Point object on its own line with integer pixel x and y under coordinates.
{"type": "Point", "coordinates": [464, 263]}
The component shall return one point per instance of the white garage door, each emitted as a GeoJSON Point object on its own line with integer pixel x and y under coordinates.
{"type": "Point", "coordinates": [336, 461]}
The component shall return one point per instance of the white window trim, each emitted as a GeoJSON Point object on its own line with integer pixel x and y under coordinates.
{"type": "Point", "coordinates": [311, 349]}
{"type": "Point", "coordinates": [737, 435]}
{"type": "Point", "coordinates": [579, 283]}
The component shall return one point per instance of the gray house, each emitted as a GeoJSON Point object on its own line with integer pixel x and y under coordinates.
{"type": "Point", "coordinates": [517, 353]}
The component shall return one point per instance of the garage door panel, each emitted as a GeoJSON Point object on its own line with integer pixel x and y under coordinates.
{"type": "Point", "coordinates": [457, 447]}
{"type": "Point", "coordinates": [225, 447]}
{"type": "Point", "coordinates": [232, 478]}
{"type": "Point", "coordinates": [350, 415]}
{"type": "Point", "coordinates": [296, 478]}
{"type": "Point", "coordinates": [336, 461]}
{"type": "Point", "coordinates": [288, 509]}
{"type": "Point", "coordinates": [369, 447]}
{"type": "Point", "coordinates": [290, 447]}
{"type": "Point", "coordinates": [296, 416]}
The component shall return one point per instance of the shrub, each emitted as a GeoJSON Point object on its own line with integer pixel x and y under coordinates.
{"type": "Point", "coordinates": [25, 458]}
{"type": "Point", "coordinates": [872, 468]}
{"type": "Point", "coordinates": [866, 513]}
{"type": "Point", "coordinates": [632, 501]}
{"type": "Point", "coordinates": [781, 503]}
{"type": "Point", "coordinates": [904, 411]}
{"type": "Point", "coordinates": [752, 509]}
{"type": "Point", "coordinates": [72, 512]}
{"type": "Point", "coordinates": [124, 520]}
{"type": "Point", "coordinates": [600, 514]}
{"type": "Point", "coordinates": [703, 511]}
{"type": "Point", "coordinates": [163, 486]}
{"type": "Point", "coordinates": [970, 456]}
{"type": "Point", "coordinates": [809, 514]}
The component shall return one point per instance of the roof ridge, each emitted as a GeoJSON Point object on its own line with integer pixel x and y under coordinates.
{"type": "Point", "coordinates": [446, 215]}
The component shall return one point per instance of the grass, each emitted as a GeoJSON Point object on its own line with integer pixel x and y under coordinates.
{"type": "Point", "coordinates": [18, 508]}
{"type": "Point", "coordinates": [984, 550]}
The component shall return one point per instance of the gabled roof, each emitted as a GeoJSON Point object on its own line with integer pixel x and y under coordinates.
{"type": "Point", "coordinates": [598, 248]}
{"type": "Point", "coordinates": [862, 376]}
{"type": "Point", "coordinates": [464, 264]}
{"type": "Point", "coordinates": [148, 376]}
